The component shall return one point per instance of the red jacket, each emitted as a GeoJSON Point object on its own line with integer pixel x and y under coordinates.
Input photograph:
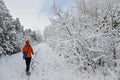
{"type": "Point", "coordinates": [28, 50]}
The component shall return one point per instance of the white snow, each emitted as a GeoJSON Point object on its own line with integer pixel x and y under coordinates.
{"type": "Point", "coordinates": [47, 66]}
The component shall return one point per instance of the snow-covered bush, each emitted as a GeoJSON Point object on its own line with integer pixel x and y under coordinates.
{"type": "Point", "coordinates": [89, 37]}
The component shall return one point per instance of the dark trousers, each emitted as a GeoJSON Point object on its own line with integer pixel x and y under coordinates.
{"type": "Point", "coordinates": [28, 60]}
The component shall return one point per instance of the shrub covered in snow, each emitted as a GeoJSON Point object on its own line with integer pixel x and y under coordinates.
{"type": "Point", "coordinates": [89, 37]}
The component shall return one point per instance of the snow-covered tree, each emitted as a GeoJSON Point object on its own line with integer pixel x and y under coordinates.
{"type": "Point", "coordinates": [12, 33]}
{"type": "Point", "coordinates": [8, 33]}
{"type": "Point", "coordinates": [89, 38]}
{"type": "Point", "coordinates": [36, 36]}
{"type": "Point", "coordinates": [18, 26]}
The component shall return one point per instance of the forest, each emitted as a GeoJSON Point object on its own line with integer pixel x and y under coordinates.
{"type": "Point", "coordinates": [13, 34]}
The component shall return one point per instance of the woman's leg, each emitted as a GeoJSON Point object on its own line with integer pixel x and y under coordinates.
{"type": "Point", "coordinates": [28, 60]}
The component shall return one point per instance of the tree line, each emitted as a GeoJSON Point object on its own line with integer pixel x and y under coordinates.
{"type": "Point", "coordinates": [12, 33]}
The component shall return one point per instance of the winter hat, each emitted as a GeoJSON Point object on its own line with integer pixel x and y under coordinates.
{"type": "Point", "coordinates": [27, 42]}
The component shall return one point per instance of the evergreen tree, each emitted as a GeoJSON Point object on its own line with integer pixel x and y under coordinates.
{"type": "Point", "coordinates": [18, 26]}
{"type": "Point", "coordinates": [8, 33]}
{"type": "Point", "coordinates": [12, 34]}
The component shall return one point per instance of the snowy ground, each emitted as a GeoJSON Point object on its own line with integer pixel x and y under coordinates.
{"type": "Point", "coordinates": [47, 66]}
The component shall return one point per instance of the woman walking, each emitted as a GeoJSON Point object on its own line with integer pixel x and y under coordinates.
{"type": "Point", "coordinates": [28, 50]}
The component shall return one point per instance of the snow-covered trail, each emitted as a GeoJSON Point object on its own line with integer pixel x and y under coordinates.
{"type": "Point", "coordinates": [47, 66]}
